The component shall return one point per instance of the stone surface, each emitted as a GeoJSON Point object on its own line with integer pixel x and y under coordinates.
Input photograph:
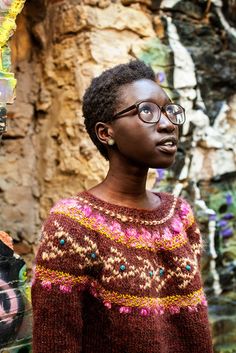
{"type": "Point", "coordinates": [184, 73]}
{"type": "Point", "coordinates": [120, 18]}
{"type": "Point", "coordinates": [129, 2]}
{"type": "Point", "coordinates": [168, 4]}
{"type": "Point", "coordinates": [114, 47]}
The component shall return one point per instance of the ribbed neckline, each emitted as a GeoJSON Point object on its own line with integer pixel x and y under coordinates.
{"type": "Point", "coordinates": [167, 201]}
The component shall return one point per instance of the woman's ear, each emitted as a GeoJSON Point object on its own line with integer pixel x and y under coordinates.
{"type": "Point", "coordinates": [104, 132]}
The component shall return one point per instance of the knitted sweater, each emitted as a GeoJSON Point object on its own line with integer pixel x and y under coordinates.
{"type": "Point", "coordinates": [112, 279]}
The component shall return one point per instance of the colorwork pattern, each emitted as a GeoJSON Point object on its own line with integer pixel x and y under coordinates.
{"type": "Point", "coordinates": [123, 262]}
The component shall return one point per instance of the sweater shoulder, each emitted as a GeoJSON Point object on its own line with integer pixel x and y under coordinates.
{"type": "Point", "coordinates": [65, 205]}
{"type": "Point", "coordinates": [181, 207]}
{"type": "Point", "coordinates": [185, 211]}
{"type": "Point", "coordinates": [66, 244]}
{"type": "Point", "coordinates": [169, 199]}
{"type": "Point", "coordinates": [61, 221]}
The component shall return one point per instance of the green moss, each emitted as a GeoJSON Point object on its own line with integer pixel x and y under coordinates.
{"type": "Point", "coordinates": [225, 348]}
{"type": "Point", "coordinates": [160, 57]}
{"type": "Point", "coordinates": [157, 54]}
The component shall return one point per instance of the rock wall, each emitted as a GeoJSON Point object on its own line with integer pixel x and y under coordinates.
{"type": "Point", "coordinates": [58, 47]}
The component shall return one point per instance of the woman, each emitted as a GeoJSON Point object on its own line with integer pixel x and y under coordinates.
{"type": "Point", "coordinates": [118, 268]}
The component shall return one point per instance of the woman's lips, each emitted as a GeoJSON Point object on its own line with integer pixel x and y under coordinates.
{"type": "Point", "coordinates": [167, 148]}
{"type": "Point", "coordinates": [167, 144]}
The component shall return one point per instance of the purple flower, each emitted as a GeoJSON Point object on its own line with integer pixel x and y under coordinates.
{"type": "Point", "coordinates": [160, 174]}
{"type": "Point", "coordinates": [161, 77]}
{"type": "Point", "coordinates": [212, 217]}
{"type": "Point", "coordinates": [222, 223]}
{"type": "Point", "coordinates": [228, 216]}
{"type": "Point", "coordinates": [226, 233]}
{"type": "Point", "coordinates": [229, 199]}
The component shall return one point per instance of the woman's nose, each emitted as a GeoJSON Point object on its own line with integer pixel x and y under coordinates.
{"type": "Point", "coordinates": [165, 124]}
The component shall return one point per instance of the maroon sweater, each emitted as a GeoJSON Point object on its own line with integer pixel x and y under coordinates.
{"type": "Point", "coordinates": [112, 279]}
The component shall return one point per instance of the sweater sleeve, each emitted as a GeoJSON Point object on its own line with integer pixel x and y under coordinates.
{"type": "Point", "coordinates": [64, 259]}
{"type": "Point", "coordinates": [192, 230]}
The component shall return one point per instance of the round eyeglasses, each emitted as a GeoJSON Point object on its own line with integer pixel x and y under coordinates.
{"type": "Point", "coordinates": [150, 112]}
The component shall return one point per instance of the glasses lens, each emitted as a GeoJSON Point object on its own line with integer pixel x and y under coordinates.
{"type": "Point", "coordinates": [148, 112]}
{"type": "Point", "coordinates": [175, 113]}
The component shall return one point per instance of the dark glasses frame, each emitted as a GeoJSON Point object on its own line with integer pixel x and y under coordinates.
{"type": "Point", "coordinates": [161, 109]}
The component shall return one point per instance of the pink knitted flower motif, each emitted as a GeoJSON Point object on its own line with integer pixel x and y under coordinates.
{"type": "Point", "coordinates": [124, 310]}
{"type": "Point", "coordinates": [87, 210]}
{"type": "Point", "coordinates": [156, 236]}
{"type": "Point", "coordinates": [184, 209]}
{"type": "Point", "coordinates": [192, 309]}
{"type": "Point", "coordinates": [46, 285]}
{"type": "Point", "coordinates": [93, 290]}
{"type": "Point", "coordinates": [146, 234]}
{"type": "Point", "coordinates": [131, 233]}
{"type": "Point", "coordinates": [204, 302]}
{"type": "Point", "coordinates": [107, 304]}
{"type": "Point", "coordinates": [144, 312]}
{"type": "Point", "coordinates": [167, 235]}
{"type": "Point", "coordinates": [177, 225]}
{"type": "Point", "coordinates": [70, 203]}
{"type": "Point", "coordinates": [174, 309]}
{"type": "Point", "coordinates": [65, 288]}
{"type": "Point", "coordinates": [116, 230]}
{"type": "Point", "coordinates": [99, 219]}
{"type": "Point", "coordinates": [115, 227]}
{"type": "Point", "coordinates": [159, 310]}
{"type": "Point", "coordinates": [65, 203]}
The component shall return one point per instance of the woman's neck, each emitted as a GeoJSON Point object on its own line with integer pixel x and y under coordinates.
{"type": "Point", "coordinates": [126, 185]}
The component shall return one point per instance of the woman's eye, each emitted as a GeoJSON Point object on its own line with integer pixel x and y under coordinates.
{"type": "Point", "coordinates": [145, 110]}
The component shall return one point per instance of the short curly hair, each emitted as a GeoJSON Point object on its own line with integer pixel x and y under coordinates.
{"type": "Point", "coordinates": [101, 97]}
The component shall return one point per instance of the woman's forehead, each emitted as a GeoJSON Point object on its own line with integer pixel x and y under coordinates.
{"type": "Point", "coordinates": [143, 90]}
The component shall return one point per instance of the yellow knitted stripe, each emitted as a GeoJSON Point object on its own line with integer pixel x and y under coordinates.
{"type": "Point", "coordinates": [58, 277]}
{"type": "Point", "coordinates": [91, 223]}
{"type": "Point", "coordinates": [127, 300]}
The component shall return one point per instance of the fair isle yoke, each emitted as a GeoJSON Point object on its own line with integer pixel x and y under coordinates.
{"type": "Point", "coordinates": [134, 263]}
{"type": "Point", "coordinates": [157, 275]}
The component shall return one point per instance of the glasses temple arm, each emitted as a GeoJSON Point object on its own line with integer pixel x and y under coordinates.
{"type": "Point", "coordinates": [125, 110]}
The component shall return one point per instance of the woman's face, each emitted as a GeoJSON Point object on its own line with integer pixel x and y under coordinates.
{"type": "Point", "coordinates": [140, 143]}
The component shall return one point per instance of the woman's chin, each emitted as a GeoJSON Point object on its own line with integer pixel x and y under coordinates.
{"type": "Point", "coordinates": [163, 164]}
